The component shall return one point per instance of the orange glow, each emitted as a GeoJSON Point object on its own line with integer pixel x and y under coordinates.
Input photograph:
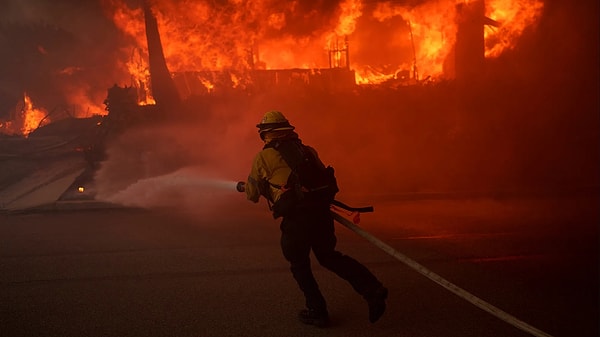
{"type": "Point", "coordinates": [32, 117]}
{"type": "Point", "coordinates": [6, 127]}
{"type": "Point", "coordinates": [514, 16]}
{"type": "Point", "coordinates": [83, 104]}
{"type": "Point", "coordinates": [351, 10]}
{"type": "Point", "coordinates": [243, 35]}
{"type": "Point", "coordinates": [131, 22]}
{"type": "Point", "coordinates": [433, 32]}
{"type": "Point", "coordinates": [369, 76]}
{"type": "Point", "coordinates": [140, 75]}
{"type": "Point", "coordinates": [209, 86]}
{"type": "Point", "coordinates": [433, 27]}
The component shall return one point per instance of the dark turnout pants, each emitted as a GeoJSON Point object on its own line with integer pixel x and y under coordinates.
{"type": "Point", "coordinates": [313, 228]}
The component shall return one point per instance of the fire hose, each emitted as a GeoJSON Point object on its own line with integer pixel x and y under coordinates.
{"type": "Point", "coordinates": [478, 302]}
{"type": "Point", "coordinates": [440, 280]}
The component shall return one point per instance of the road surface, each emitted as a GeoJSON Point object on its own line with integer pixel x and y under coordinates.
{"type": "Point", "coordinates": [85, 270]}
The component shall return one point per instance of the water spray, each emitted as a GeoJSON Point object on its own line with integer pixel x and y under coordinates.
{"type": "Point", "coordinates": [185, 184]}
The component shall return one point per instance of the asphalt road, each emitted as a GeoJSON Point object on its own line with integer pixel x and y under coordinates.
{"type": "Point", "coordinates": [218, 271]}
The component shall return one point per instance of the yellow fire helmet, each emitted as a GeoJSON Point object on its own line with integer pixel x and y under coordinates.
{"type": "Point", "coordinates": [273, 121]}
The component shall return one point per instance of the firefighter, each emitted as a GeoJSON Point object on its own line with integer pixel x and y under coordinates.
{"type": "Point", "coordinates": [306, 227]}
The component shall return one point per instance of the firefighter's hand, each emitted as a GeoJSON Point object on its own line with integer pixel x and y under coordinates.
{"type": "Point", "coordinates": [241, 186]}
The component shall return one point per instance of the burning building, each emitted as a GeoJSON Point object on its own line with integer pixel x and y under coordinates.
{"type": "Point", "coordinates": [207, 60]}
{"type": "Point", "coordinates": [212, 48]}
{"type": "Point", "coordinates": [469, 49]}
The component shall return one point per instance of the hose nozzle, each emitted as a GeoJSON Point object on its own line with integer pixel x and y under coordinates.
{"type": "Point", "coordinates": [241, 186]}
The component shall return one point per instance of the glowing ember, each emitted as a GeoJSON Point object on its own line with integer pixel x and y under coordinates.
{"type": "Point", "coordinates": [80, 189]}
{"type": "Point", "coordinates": [209, 86]}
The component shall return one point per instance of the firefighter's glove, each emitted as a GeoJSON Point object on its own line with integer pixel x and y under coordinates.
{"type": "Point", "coordinates": [241, 186]}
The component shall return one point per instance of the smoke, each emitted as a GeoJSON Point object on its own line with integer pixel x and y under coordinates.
{"type": "Point", "coordinates": [380, 142]}
{"type": "Point", "coordinates": [64, 54]}
{"type": "Point", "coordinates": [191, 164]}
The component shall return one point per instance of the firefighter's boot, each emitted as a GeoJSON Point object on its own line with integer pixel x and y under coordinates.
{"type": "Point", "coordinates": [376, 301]}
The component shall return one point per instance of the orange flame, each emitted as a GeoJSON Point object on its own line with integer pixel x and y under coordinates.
{"type": "Point", "coordinates": [241, 35]}
{"type": "Point", "coordinates": [32, 117]}
{"type": "Point", "coordinates": [28, 117]}
{"type": "Point", "coordinates": [514, 16]}
{"type": "Point", "coordinates": [430, 30]}
{"type": "Point", "coordinates": [351, 11]}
